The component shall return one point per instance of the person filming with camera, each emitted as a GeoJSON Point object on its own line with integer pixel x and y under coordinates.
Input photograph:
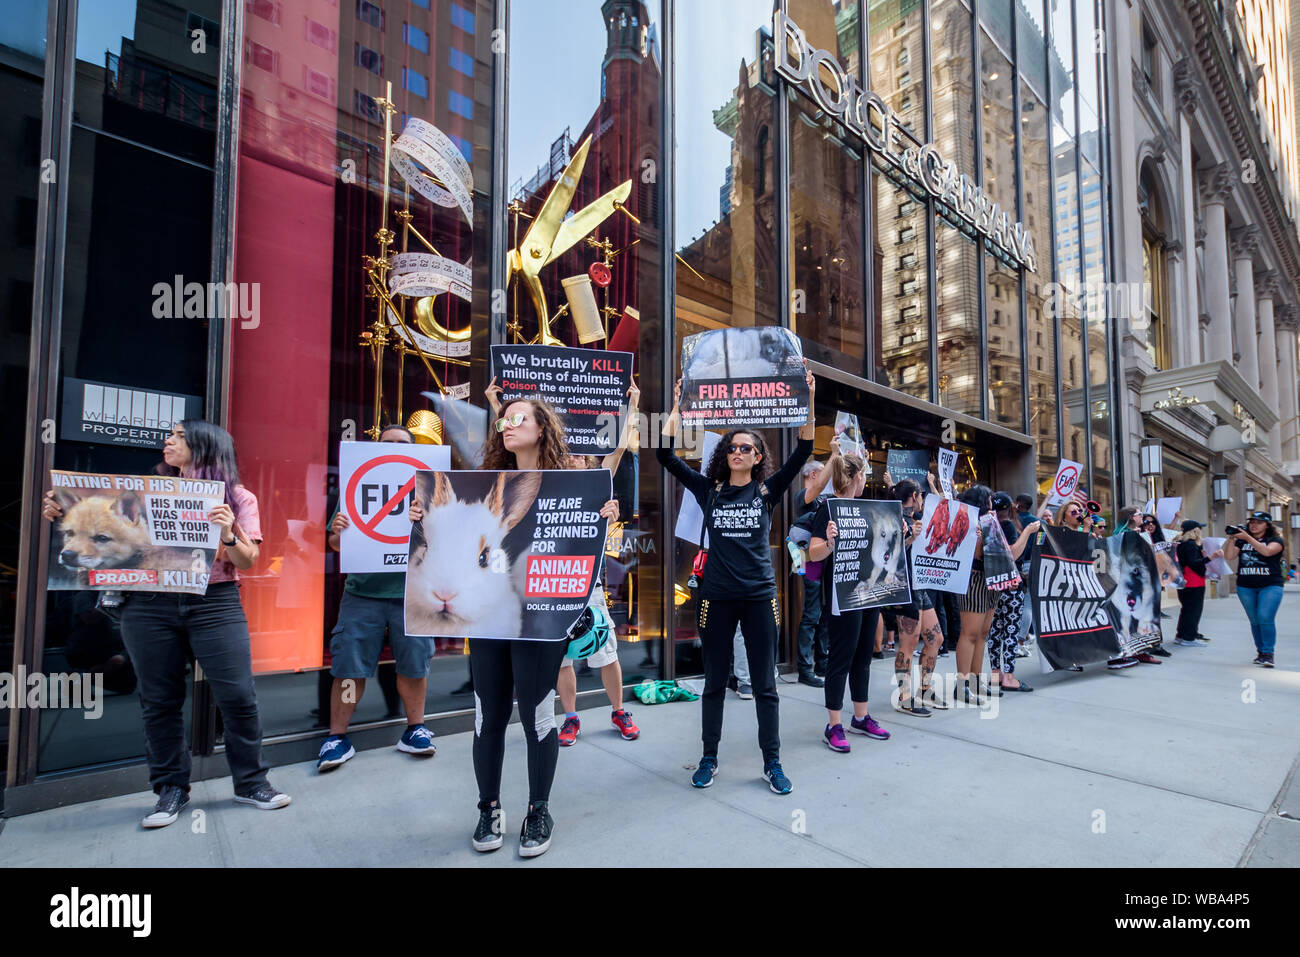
{"type": "Point", "coordinates": [1259, 578]}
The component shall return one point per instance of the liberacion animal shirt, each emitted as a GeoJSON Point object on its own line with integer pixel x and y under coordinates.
{"type": "Point", "coordinates": [1256, 570]}
{"type": "Point", "coordinates": [739, 521]}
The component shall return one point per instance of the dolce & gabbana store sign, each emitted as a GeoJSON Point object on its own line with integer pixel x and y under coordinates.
{"type": "Point", "coordinates": [865, 114]}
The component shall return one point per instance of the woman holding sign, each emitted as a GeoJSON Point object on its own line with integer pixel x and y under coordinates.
{"type": "Point", "coordinates": [737, 493]}
{"type": "Point", "coordinates": [161, 631]}
{"type": "Point", "coordinates": [852, 633]}
{"type": "Point", "coordinates": [529, 436]}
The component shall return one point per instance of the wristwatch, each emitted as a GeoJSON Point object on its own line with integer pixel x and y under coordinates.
{"type": "Point", "coordinates": [232, 542]}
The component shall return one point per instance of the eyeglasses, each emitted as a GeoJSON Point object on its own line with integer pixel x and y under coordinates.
{"type": "Point", "coordinates": [1148, 524]}
{"type": "Point", "coordinates": [511, 421]}
{"type": "Point", "coordinates": [740, 449]}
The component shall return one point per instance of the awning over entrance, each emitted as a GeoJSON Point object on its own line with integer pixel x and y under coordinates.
{"type": "Point", "coordinates": [1220, 388]}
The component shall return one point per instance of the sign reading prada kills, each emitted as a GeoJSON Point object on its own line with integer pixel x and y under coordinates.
{"type": "Point", "coordinates": [866, 115]}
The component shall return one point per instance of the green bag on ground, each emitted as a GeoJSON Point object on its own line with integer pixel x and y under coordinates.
{"type": "Point", "coordinates": [662, 692]}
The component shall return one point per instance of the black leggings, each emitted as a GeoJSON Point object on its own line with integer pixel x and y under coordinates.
{"type": "Point", "coordinates": [758, 619]}
{"type": "Point", "coordinates": [1189, 618]}
{"type": "Point", "coordinates": [853, 640]}
{"type": "Point", "coordinates": [525, 670]}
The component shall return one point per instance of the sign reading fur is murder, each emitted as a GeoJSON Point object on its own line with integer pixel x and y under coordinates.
{"type": "Point", "coordinates": [133, 533]}
{"type": "Point", "coordinates": [586, 387]}
{"type": "Point", "coordinates": [1070, 601]}
{"type": "Point", "coordinates": [504, 554]}
{"type": "Point", "coordinates": [870, 562]}
{"type": "Point", "coordinates": [754, 376]}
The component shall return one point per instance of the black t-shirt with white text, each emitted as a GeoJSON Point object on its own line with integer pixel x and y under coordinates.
{"type": "Point", "coordinates": [1256, 570]}
{"type": "Point", "coordinates": [739, 525]}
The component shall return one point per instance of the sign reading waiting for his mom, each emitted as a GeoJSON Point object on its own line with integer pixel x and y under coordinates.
{"type": "Point", "coordinates": [586, 387]}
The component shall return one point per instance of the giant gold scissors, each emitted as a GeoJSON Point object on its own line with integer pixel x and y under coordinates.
{"type": "Point", "coordinates": [551, 235]}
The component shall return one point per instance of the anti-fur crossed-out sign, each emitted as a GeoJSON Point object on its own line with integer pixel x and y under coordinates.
{"type": "Point", "coordinates": [376, 486]}
{"type": "Point", "coordinates": [133, 533]}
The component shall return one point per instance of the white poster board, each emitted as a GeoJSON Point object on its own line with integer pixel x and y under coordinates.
{"type": "Point", "coordinates": [689, 516]}
{"type": "Point", "coordinates": [947, 466]}
{"type": "Point", "coordinates": [1064, 484]}
{"type": "Point", "coordinates": [376, 486]}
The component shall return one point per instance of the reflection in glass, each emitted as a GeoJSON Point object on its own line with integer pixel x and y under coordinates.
{"type": "Point", "coordinates": [1002, 311]}
{"type": "Point", "coordinates": [902, 330]}
{"type": "Point", "coordinates": [897, 58]}
{"type": "Point", "coordinates": [957, 293]}
{"type": "Point", "coordinates": [827, 305]}
{"type": "Point", "coordinates": [1098, 324]}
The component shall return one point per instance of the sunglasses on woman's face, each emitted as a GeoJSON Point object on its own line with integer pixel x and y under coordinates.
{"type": "Point", "coordinates": [511, 421]}
{"type": "Point", "coordinates": [740, 449]}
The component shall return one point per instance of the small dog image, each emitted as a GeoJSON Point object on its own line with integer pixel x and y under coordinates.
{"type": "Point", "coordinates": [1171, 576]}
{"type": "Point", "coordinates": [103, 532]}
{"type": "Point", "coordinates": [886, 550]}
{"type": "Point", "coordinates": [1134, 597]}
{"type": "Point", "coordinates": [459, 580]}
{"type": "Point", "coordinates": [937, 530]}
{"type": "Point", "coordinates": [957, 531]}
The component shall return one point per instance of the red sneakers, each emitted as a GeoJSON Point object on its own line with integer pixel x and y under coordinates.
{"type": "Point", "coordinates": [623, 721]}
{"type": "Point", "coordinates": [1149, 659]}
{"type": "Point", "coordinates": [569, 732]}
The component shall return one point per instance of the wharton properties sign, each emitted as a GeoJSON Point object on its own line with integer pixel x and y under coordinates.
{"type": "Point", "coordinates": [865, 114]}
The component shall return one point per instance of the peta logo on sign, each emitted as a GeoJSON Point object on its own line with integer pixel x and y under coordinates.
{"type": "Point", "coordinates": [76, 910]}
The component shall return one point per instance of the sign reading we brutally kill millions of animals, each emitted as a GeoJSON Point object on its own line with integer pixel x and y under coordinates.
{"type": "Point", "coordinates": [133, 533]}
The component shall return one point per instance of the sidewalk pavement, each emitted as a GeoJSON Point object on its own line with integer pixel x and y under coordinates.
{"type": "Point", "coordinates": [1186, 764]}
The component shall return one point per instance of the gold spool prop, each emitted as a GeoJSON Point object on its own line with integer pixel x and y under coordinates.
{"type": "Point", "coordinates": [426, 427]}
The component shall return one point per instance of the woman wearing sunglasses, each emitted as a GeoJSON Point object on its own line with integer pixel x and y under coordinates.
{"type": "Point", "coordinates": [528, 436]}
{"type": "Point", "coordinates": [737, 493]}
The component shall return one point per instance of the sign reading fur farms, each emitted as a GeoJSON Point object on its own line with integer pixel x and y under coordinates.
{"type": "Point", "coordinates": [753, 376]}
{"type": "Point", "coordinates": [133, 533]}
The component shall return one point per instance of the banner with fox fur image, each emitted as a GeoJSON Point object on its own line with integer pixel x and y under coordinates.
{"type": "Point", "coordinates": [1133, 580]}
{"type": "Point", "coordinates": [504, 555]}
{"type": "Point", "coordinates": [869, 567]}
{"type": "Point", "coordinates": [133, 533]}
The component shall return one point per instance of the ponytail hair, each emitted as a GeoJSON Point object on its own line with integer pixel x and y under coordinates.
{"type": "Point", "coordinates": [844, 469]}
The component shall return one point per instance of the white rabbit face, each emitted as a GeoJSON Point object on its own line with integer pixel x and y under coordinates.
{"type": "Point", "coordinates": [462, 574]}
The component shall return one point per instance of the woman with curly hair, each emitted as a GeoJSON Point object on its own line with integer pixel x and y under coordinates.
{"type": "Point", "coordinates": [737, 493]}
{"type": "Point", "coordinates": [528, 436]}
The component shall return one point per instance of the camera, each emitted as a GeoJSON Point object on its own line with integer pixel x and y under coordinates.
{"type": "Point", "coordinates": [1233, 529]}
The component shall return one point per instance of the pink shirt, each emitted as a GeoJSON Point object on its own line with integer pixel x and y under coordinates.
{"type": "Point", "coordinates": [247, 520]}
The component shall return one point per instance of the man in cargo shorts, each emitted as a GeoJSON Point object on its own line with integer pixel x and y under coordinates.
{"type": "Point", "coordinates": [372, 608]}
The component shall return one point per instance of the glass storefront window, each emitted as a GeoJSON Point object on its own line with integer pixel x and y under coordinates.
{"type": "Point", "coordinates": [1041, 308]}
{"type": "Point", "coordinates": [957, 292]}
{"type": "Point", "coordinates": [139, 214]}
{"type": "Point", "coordinates": [827, 304]}
{"type": "Point", "coordinates": [902, 315]}
{"type": "Point", "coordinates": [22, 71]}
{"type": "Point", "coordinates": [1094, 254]}
{"type": "Point", "coordinates": [897, 58]}
{"type": "Point", "coordinates": [726, 204]}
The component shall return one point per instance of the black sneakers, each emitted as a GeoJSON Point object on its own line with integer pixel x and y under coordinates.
{"type": "Point", "coordinates": [266, 797]}
{"type": "Point", "coordinates": [491, 831]}
{"type": "Point", "coordinates": [535, 835]}
{"type": "Point", "coordinates": [170, 801]}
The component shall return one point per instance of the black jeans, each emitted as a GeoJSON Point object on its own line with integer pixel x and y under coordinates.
{"type": "Point", "coordinates": [813, 635]}
{"type": "Point", "coordinates": [502, 670]}
{"type": "Point", "coordinates": [161, 632]}
{"type": "Point", "coordinates": [1189, 618]}
{"type": "Point", "coordinates": [758, 619]}
{"type": "Point", "coordinates": [853, 639]}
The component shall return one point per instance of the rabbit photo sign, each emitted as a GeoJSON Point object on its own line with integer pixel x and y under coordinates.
{"type": "Point", "coordinates": [743, 377]}
{"type": "Point", "coordinates": [504, 554]}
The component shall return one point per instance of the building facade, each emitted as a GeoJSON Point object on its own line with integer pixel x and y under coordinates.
{"type": "Point", "coordinates": [920, 189]}
{"type": "Point", "coordinates": [1207, 190]}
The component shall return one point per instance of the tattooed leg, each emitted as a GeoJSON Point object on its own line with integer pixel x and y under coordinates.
{"type": "Point", "coordinates": [908, 632]}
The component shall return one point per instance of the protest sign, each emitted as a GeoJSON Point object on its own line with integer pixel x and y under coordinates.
{"type": "Point", "coordinates": [911, 464]}
{"type": "Point", "coordinates": [1216, 568]}
{"type": "Point", "coordinates": [586, 387]}
{"type": "Point", "coordinates": [943, 557]}
{"type": "Point", "coordinates": [1132, 582]}
{"type": "Point", "coordinates": [133, 533]}
{"type": "Point", "coordinates": [947, 467]}
{"type": "Point", "coordinates": [690, 518]}
{"type": "Point", "coordinates": [378, 484]}
{"type": "Point", "coordinates": [733, 378]}
{"type": "Point", "coordinates": [850, 435]}
{"type": "Point", "coordinates": [1167, 509]}
{"type": "Point", "coordinates": [1000, 572]}
{"type": "Point", "coordinates": [504, 554]}
{"type": "Point", "coordinates": [1064, 484]}
{"type": "Point", "coordinates": [1069, 601]}
{"type": "Point", "coordinates": [869, 564]}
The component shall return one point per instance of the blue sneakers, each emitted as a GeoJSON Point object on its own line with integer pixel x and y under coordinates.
{"type": "Point", "coordinates": [336, 749]}
{"type": "Point", "coordinates": [418, 740]}
{"type": "Point", "coordinates": [703, 775]}
{"type": "Point", "coordinates": [776, 778]}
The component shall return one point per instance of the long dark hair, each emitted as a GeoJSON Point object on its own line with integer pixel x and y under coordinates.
{"type": "Point", "coordinates": [1157, 534]}
{"type": "Point", "coordinates": [720, 471]}
{"type": "Point", "coordinates": [552, 449]}
{"type": "Point", "coordinates": [212, 454]}
{"type": "Point", "coordinates": [981, 496]}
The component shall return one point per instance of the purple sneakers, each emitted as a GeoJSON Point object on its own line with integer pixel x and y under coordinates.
{"type": "Point", "coordinates": [868, 727]}
{"type": "Point", "coordinates": [835, 739]}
